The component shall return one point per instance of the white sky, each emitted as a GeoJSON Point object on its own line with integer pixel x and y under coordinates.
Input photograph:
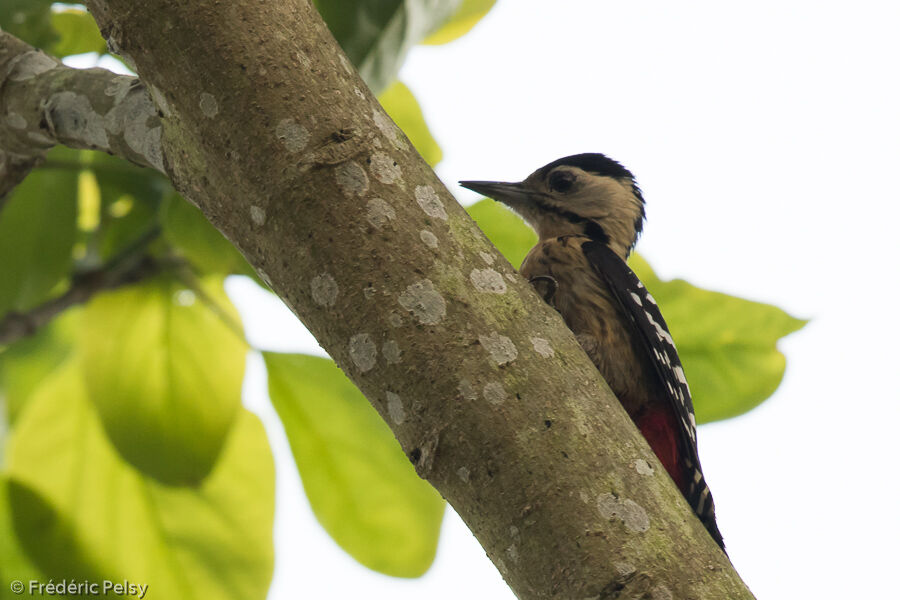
{"type": "Point", "coordinates": [767, 142]}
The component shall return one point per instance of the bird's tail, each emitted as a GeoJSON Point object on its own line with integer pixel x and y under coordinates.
{"type": "Point", "coordinates": [700, 498]}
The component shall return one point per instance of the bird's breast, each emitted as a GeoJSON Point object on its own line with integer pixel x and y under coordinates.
{"type": "Point", "coordinates": [592, 313]}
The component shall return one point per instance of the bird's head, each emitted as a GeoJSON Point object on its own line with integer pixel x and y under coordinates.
{"type": "Point", "coordinates": [586, 194]}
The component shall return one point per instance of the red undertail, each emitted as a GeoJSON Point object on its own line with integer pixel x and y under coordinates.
{"type": "Point", "coordinates": [659, 428]}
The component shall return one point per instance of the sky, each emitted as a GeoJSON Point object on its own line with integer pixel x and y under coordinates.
{"type": "Point", "coordinates": [766, 138]}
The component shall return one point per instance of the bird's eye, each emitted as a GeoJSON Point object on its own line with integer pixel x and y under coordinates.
{"type": "Point", "coordinates": [561, 181]}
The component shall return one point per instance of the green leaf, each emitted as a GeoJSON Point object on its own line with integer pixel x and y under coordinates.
{"type": "Point", "coordinates": [506, 230]}
{"type": "Point", "coordinates": [36, 522]}
{"type": "Point", "coordinates": [727, 344]}
{"type": "Point", "coordinates": [81, 511]}
{"type": "Point", "coordinates": [164, 371]}
{"type": "Point", "coordinates": [197, 240]}
{"type": "Point", "coordinates": [29, 20]}
{"type": "Point", "coordinates": [125, 221]}
{"type": "Point", "coordinates": [15, 562]}
{"type": "Point", "coordinates": [88, 201]}
{"type": "Point", "coordinates": [468, 15]}
{"type": "Point", "coordinates": [131, 200]}
{"type": "Point", "coordinates": [25, 364]}
{"type": "Point", "coordinates": [377, 34]}
{"type": "Point", "coordinates": [400, 104]}
{"type": "Point", "coordinates": [37, 232]}
{"type": "Point", "coordinates": [361, 486]}
{"type": "Point", "coordinates": [78, 33]}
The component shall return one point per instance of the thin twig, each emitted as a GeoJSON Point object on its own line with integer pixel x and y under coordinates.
{"type": "Point", "coordinates": [18, 325]}
{"type": "Point", "coordinates": [129, 266]}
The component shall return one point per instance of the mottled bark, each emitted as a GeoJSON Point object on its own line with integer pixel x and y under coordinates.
{"type": "Point", "coordinates": [44, 103]}
{"type": "Point", "coordinates": [268, 129]}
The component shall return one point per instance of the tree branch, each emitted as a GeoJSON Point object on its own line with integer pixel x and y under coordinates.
{"type": "Point", "coordinates": [129, 266]}
{"type": "Point", "coordinates": [44, 103]}
{"type": "Point", "coordinates": [269, 130]}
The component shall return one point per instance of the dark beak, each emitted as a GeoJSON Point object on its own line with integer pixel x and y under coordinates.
{"type": "Point", "coordinates": [508, 193]}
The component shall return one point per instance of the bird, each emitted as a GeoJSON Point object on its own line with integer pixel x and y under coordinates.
{"type": "Point", "coordinates": [588, 213]}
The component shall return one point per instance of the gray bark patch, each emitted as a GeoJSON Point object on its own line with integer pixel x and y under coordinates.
{"type": "Point", "coordinates": [463, 474]}
{"type": "Point", "coordinates": [16, 121]}
{"type": "Point", "coordinates": [324, 289]}
{"type": "Point", "coordinates": [424, 302]}
{"type": "Point", "coordinates": [643, 467]}
{"type": "Point", "coordinates": [467, 390]}
{"type": "Point", "coordinates": [39, 138]}
{"type": "Point", "coordinates": [488, 280]}
{"type": "Point", "coordinates": [428, 238]}
{"type": "Point", "coordinates": [352, 179]}
{"type": "Point", "coordinates": [388, 129]}
{"type": "Point", "coordinates": [391, 352]}
{"type": "Point", "coordinates": [130, 117]}
{"type": "Point", "coordinates": [257, 215]}
{"type": "Point", "coordinates": [208, 105]}
{"type": "Point", "coordinates": [385, 169]}
{"type": "Point", "coordinates": [430, 203]}
{"type": "Point", "coordinates": [395, 408]}
{"type": "Point", "coordinates": [148, 145]}
{"type": "Point", "coordinates": [363, 351]}
{"type": "Point", "coordinates": [379, 213]}
{"type": "Point", "coordinates": [500, 347]}
{"type": "Point", "coordinates": [30, 64]}
{"type": "Point", "coordinates": [73, 116]}
{"type": "Point", "coordinates": [628, 511]}
{"type": "Point", "coordinates": [542, 347]}
{"type": "Point", "coordinates": [495, 393]}
{"type": "Point", "coordinates": [119, 86]}
{"type": "Point", "coordinates": [156, 94]}
{"type": "Point", "coordinates": [512, 552]}
{"type": "Point", "coordinates": [293, 135]}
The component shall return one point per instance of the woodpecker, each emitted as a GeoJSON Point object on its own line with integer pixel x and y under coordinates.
{"type": "Point", "coordinates": [588, 212]}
